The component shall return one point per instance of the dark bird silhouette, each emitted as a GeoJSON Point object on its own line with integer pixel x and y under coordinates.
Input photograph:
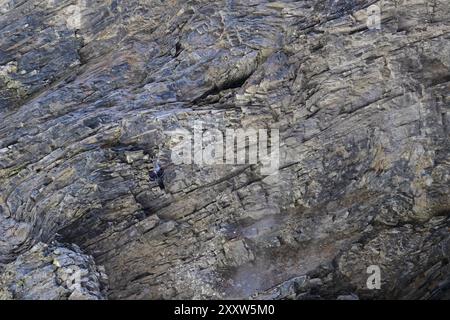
{"type": "Point", "coordinates": [158, 175]}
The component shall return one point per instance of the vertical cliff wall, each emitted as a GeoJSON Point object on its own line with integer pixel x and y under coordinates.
{"type": "Point", "coordinates": [89, 91]}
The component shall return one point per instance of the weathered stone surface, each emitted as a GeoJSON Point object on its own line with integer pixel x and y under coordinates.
{"type": "Point", "coordinates": [52, 272]}
{"type": "Point", "coordinates": [90, 89]}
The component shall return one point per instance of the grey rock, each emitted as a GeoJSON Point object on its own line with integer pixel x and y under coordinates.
{"type": "Point", "coordinates": [89, 94]}
{"type": "Point", "coordinates": [42, 273]}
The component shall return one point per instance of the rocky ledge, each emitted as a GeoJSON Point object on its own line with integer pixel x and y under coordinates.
{"type": "Point", "coordinates": [90, 89]}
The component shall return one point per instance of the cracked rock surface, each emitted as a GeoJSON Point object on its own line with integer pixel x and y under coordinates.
{"type": "Point", "coordinates": [89, 91]}
{"type": "Point", "coordinates": [53, 272]}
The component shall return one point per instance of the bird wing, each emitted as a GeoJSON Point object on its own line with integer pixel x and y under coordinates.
{"type": "Point", "coordinates": [161, 184]}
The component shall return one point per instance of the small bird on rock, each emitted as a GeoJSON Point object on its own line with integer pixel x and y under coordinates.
{"type": "Point", "coordinates": [158, 175]}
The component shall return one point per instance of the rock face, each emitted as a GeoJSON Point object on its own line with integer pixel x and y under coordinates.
{"type": "Point", "coordinates": [90, 91]}
{"type": "Point", "coordinates": [54, 272]}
